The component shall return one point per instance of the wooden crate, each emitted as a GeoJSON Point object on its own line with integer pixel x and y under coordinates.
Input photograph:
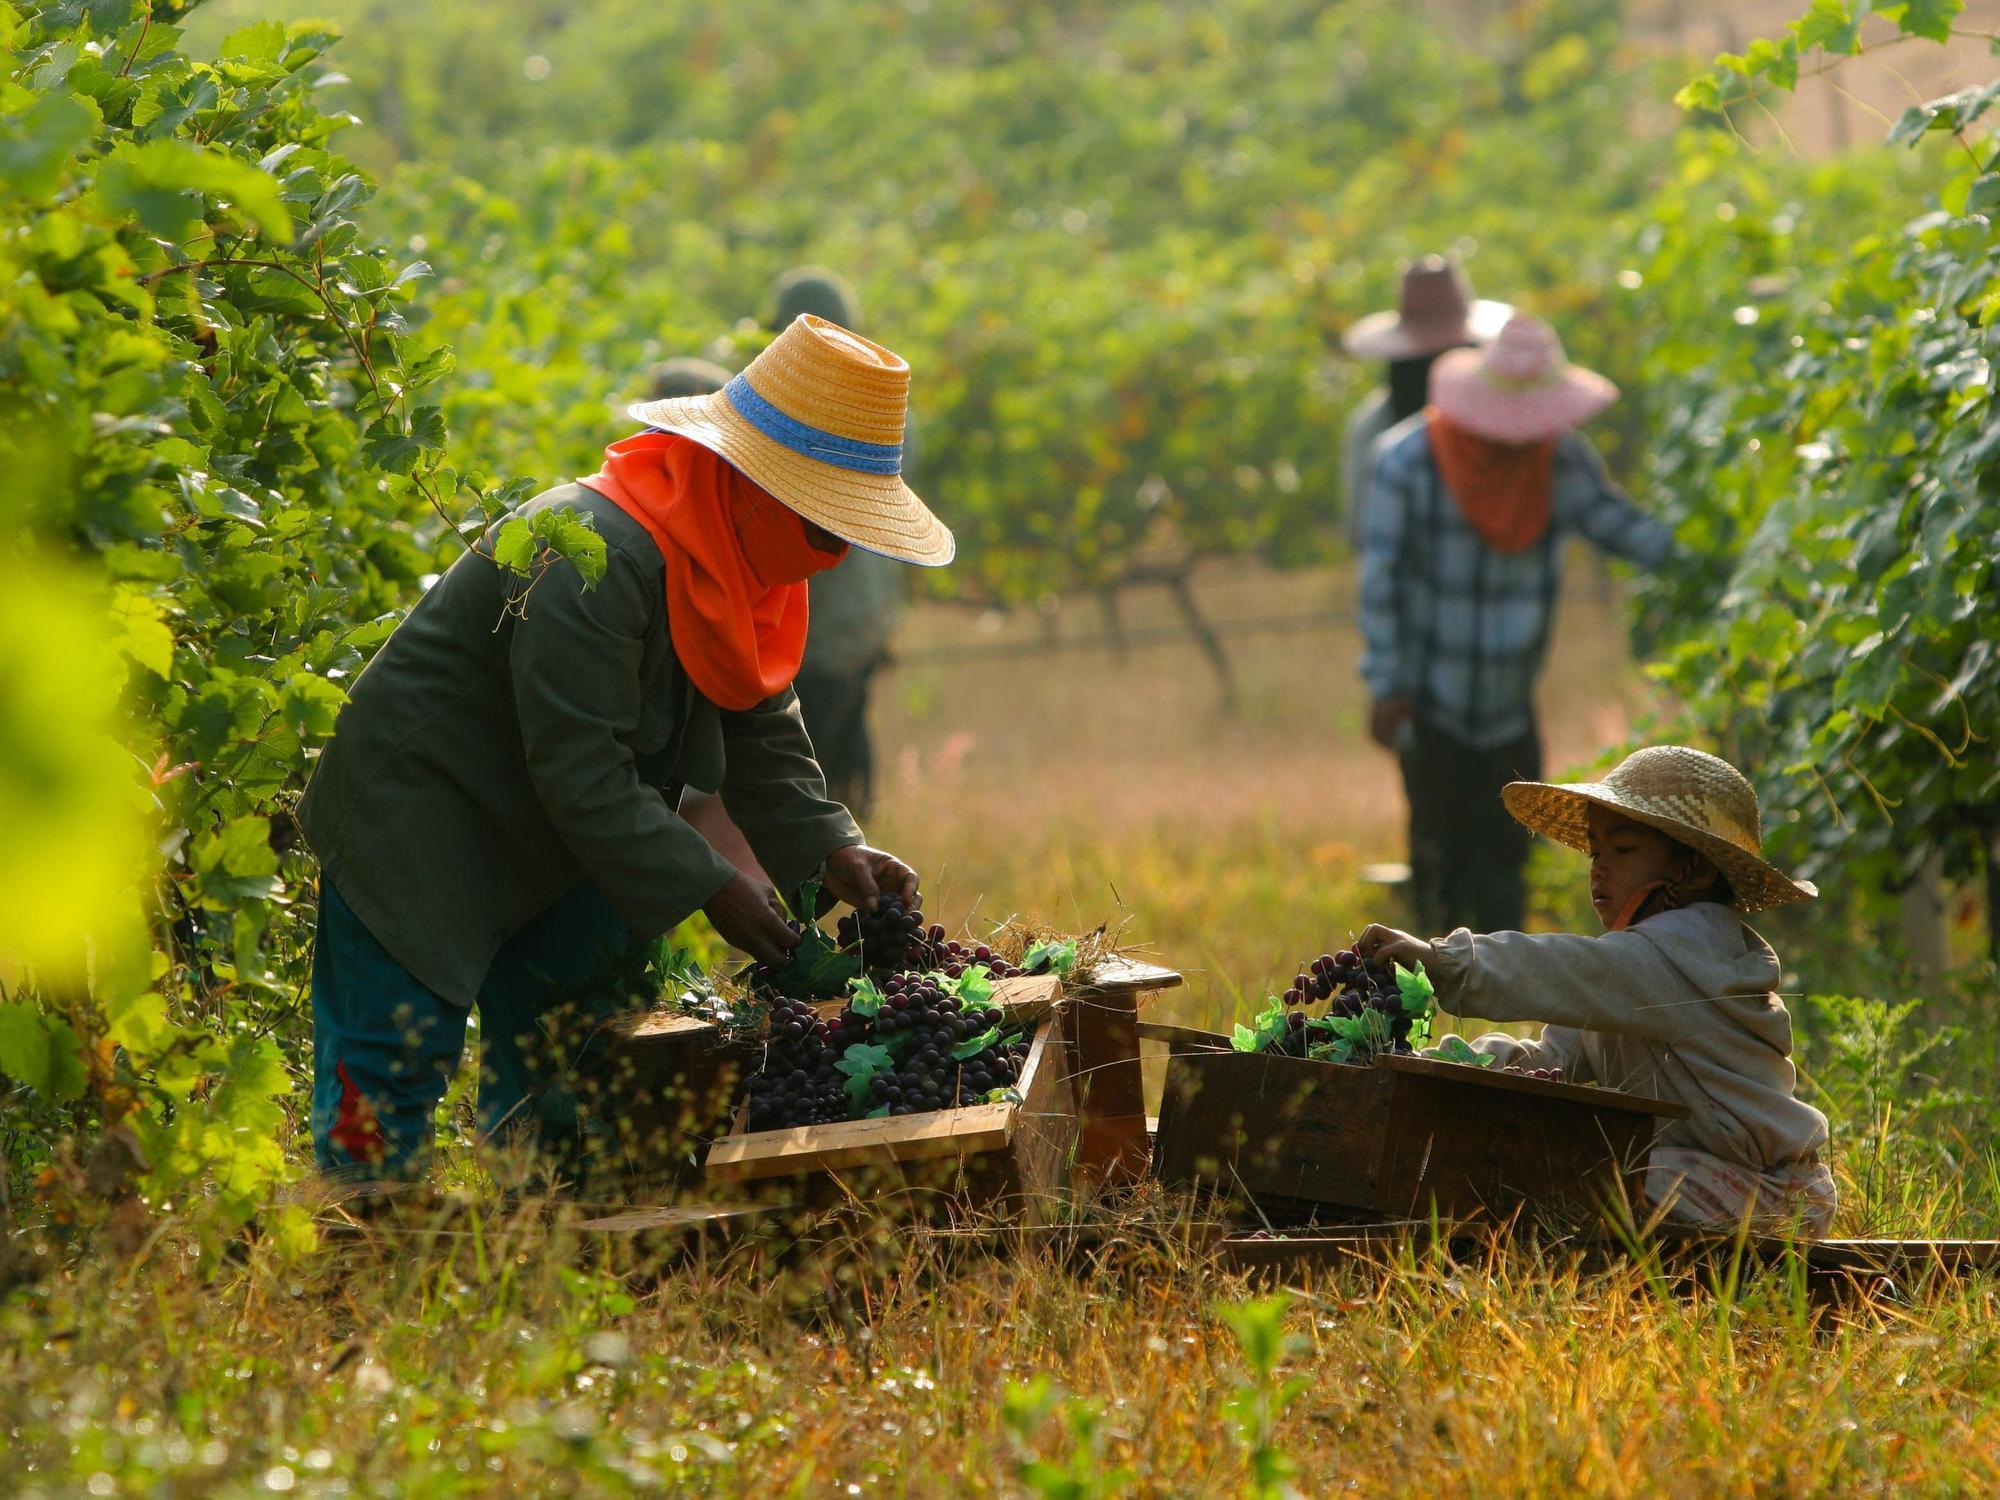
{"type": "Point", "coordinates": [673, 1082]}
{"type": "Point", "coordinates": [1012, 1157]}
{"type": "Point", "coordinates": [1402, 1139]}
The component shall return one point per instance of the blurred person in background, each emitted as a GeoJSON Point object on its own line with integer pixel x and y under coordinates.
{"type": "Point", "coordinates": [1435, 311]}
{"type": "Point", "coordinates": [855, 608]}
{"type": "Point", "coordinates": [1460, 565]}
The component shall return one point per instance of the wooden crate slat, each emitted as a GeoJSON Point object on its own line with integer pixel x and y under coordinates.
{"type": "Point", "coordinates": [1185, 1038]}
{"type": "Point", "coordinates": [1521, 1083]}
{"type": "Point", "coordinates": [848, 1143]}
{"type": "Point", "coordinates": [1117, 973]}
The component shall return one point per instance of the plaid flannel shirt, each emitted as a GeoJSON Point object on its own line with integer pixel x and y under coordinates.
{"type": "Point", "coordinates": [1455, 625]}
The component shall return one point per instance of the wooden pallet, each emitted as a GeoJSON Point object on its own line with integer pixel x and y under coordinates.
{"type": "Point", "coordinates": [1012, 1157]}
{"type": "Point", "coordinates": [1405, 1138]}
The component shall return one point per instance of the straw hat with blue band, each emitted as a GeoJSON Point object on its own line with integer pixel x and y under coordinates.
{"type": "Point", "coordinates": [817, 420]}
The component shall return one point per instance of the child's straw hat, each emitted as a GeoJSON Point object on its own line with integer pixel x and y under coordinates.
{"type": "Point", "coordinates": [1696, 798]}
{"type": "Point", "coordinates": [817, 420]}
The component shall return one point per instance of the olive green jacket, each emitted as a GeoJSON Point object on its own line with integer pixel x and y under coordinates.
{"type": "Point", "coordinates": [515, 737]}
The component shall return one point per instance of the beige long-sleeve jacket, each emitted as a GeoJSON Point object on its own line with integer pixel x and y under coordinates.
{"type": "Point", "coordinates": [1682, 1006]}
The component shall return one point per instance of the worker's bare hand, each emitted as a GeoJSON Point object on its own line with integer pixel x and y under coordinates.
{"type": "Point", "coordinates": [1385, 945]}
{"type": "Point", "coordinates": [749, 915]}
{"type": "Point", "coordinates": [859, 875]}
{"type": "Point", "coordinates": [1386, 718]}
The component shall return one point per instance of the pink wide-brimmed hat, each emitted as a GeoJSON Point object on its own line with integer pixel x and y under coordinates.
{"type": "Point", "coordinates": [1520, 389]}
{"type": "Point", "coordinates": [1435, 310]}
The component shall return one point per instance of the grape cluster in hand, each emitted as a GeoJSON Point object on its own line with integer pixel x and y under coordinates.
{"type": "Point", "coordinates": [1353, 987]}
{"type": "Point", "coordinates": [893, 939]}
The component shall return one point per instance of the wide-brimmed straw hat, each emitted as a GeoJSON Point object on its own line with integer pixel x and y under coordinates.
{"type": "Point", "coordinates": [1520, 388]}
{"type": "Point", "coordinates": [817, 420]}
{"type": "Point", "coordinates": [1435, 310]}
{"type": "Point", "coordinates": [1696, 798]}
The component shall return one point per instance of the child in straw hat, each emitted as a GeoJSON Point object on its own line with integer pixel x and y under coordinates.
{"type": "Point", "coordinates": [1676, 999]}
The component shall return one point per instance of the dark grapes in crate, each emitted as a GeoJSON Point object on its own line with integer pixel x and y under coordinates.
{"type": "Point", "coordinates": [903, 1048]}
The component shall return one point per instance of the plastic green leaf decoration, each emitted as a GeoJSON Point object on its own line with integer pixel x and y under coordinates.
{"type": "Point", "coordinates": [973, 988]}
{"type": "Point", "coordinates": [972, 1046]}
{"type": "Point", "coordinates": [1455, 1049]}
{"type": "Point", "coordinates": [1415, 988]}
{"type": "Point", "coordinates": [1050, 958]}
{"type": "Point", "coordinates": [864, 998]}
{"type": "Point", "coordinates": [860, 1063]}
{"type": "Point", "coordinates": [818, 969]}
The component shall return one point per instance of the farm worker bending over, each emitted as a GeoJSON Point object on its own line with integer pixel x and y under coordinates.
{"type": "Point", "coordinates": [1676, 1000]}
{"type": "Point", "coordinates": [495, 815]}
{"type": "Point", "coordinates": [1435, 311]}
{"type": "Point", "coordinates": [1471, 505]}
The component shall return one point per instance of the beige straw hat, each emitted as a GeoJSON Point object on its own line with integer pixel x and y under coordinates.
{"type": "Point", "coordinates": [1697, 798]}
{"type": "Point", "coordinates": [817, 420]}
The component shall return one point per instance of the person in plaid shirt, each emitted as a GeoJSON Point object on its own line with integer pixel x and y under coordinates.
{"type": "Point", "coordinates": [1461, 559]}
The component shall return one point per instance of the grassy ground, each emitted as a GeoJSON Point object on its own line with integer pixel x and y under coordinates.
{"type": "Point", "coordinates": [498, 1354]}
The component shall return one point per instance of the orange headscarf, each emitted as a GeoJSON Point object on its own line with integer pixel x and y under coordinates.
{"type": "Point", "coordinates": [737, 563]}
{"type": "Point", "coordinates": [1502, 490]}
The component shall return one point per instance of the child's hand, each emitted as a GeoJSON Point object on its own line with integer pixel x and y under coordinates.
{"type": "Point", "coordinates": [1385, 946]}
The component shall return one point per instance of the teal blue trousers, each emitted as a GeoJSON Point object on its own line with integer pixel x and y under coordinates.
{"type": "Point", "coordinates": [385, 1047]}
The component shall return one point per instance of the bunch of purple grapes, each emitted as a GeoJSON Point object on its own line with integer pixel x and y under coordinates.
{"type": "Point", "coordinates": [1352, 986]}
{"type": "Point", "coordinates": [883, 938]}
{"type": "Point", "coordinates": [799, 1083]}
{"type": "Point", "coordinates": [893, 939]}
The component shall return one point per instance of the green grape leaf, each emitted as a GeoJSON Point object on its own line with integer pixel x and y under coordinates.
{"type": "Point", "coordinates": [1832, 26]}
{"type": "Point", "coordinates": [41, 1051]}
{"type": "Point", "coordinates": [311, 703]}
{"type": "Point", "coordinates": [37, 144]}
{"type": "Point", "coordinates": [159, 184]}
{"type": "Point", "coordinates": [1242, 1038]}
{"type": "Point", "coordinates": [880, 1112]}
{"type": "Point", "coordinates": [1930, 19]}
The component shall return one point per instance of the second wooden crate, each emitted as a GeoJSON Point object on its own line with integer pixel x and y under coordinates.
{"type": "Point", "coordinates": [1403, 1138]}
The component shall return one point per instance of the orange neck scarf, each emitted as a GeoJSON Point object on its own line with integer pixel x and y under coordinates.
{"type": "Point", "coordinates": [1502, 490]}
{"type": "Point", "coordinates": [737, 564]}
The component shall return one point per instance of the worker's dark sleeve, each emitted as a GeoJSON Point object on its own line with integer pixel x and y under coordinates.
{"type": "Point", "coordinates": [776, 793]}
